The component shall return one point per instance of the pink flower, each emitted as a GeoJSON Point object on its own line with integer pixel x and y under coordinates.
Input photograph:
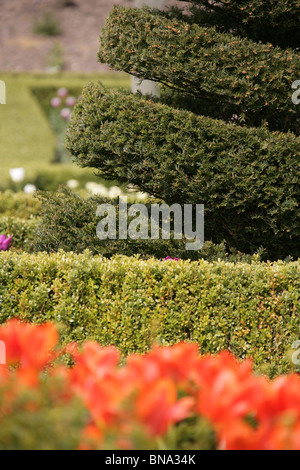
{"type": "Point", "coordinates": [65, 113]}
{"type": "Point", "coordinates": [4, 242]}
{"type": "Point", "coordinates": [169, 258]}
{"type": "Point", "coordinates": [62, 93]}
{"type": "Point", "coordinates": [55, 102]}
{"type": "Point", "coordinates": [71, 101]}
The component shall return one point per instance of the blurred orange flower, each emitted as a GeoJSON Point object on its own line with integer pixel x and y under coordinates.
{"type": "Point", "coordinates": [151, 392]}
{"type": "Point", "coordinates": [157, 406]}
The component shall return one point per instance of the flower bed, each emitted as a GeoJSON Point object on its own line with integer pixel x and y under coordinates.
{"type": "Point", "coordinates": [154, 393]}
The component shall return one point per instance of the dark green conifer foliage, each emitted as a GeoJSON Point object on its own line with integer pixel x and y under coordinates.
{"type": "Point", "coordinates": [224, 132]}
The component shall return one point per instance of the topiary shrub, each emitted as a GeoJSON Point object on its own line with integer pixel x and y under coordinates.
{"type": "Point", "coordinates": [181, 147]}
{"type": "Point", "coordinates": [247, 178]}
{"type": "Point", "coordinates": [240, 77]}
{"type": "Point", "coordinates": [269, 21]}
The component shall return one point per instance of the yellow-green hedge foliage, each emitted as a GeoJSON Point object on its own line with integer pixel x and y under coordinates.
{"type": "Point", "coordinates": [250, 309]}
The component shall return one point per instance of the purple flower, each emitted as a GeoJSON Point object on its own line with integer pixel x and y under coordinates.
{"type": "Point", "coordinates": [55, 102]}
{"type": "Point", "coordinates": [71, 101]}
{"type": "Point", "coordinates": [62, 93]}
{"type": "Point", "coordinates": [65, 113]}
{"type": "Point", "coordinates": [169, 258]}
{"type": "Point", "coordinates": [4, 242]}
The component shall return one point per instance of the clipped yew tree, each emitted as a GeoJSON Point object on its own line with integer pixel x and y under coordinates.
{"type": "Point", "coordinates": [224, 131]}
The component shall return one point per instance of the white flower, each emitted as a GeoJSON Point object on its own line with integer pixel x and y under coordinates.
{"type": "Point", "coordinates": [96, 189]}
{"type": "Point", "coordinates": [72, 184]}
{"type": "Point", "coordinates": [131, 188]}
{"type": "Point", "coordinates": [17, 174]}
{"type": "Point", "coordinates": [114, 192]}
{"type": "Point", "coordinates": [29, 188]}
{"type": "Point", "coordinates": [142, 196]}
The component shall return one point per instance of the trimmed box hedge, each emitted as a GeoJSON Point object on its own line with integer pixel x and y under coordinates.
{"type": "Point", "coordinates": [23, 232]}
{"type": "Point", "coordinates": [238, 76]}
{"type": "Point", "coordinates": [20, 205]}
{"type": "Point", "coordinates": [249, 309]}
{"type": "Point", "coordinates": [247, 178]}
